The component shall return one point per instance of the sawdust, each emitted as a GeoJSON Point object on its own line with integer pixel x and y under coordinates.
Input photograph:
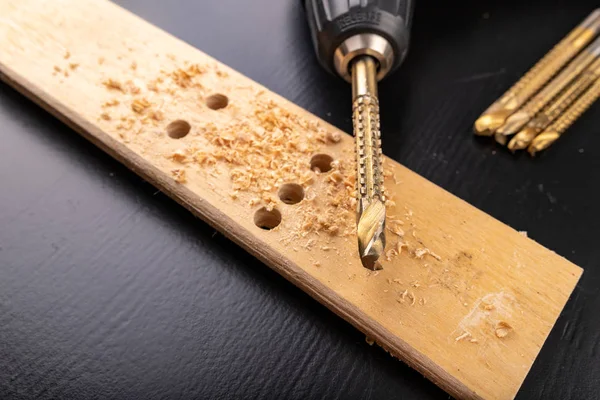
{"type": "Point", "coordinates": [140, 105]}
{"type": "Point", "coordinates": [262, 151]}
{"type": "Point", "coordinates": [179, 156]}
{"type": "Point", "coordinates": [502, 329]}
{"type": "Point", "coordinates": [113, 84]}
{"type": "Point", "coordinates": [422, 252]}
{"type": "Point", "coordinates": [179, 175]}
{"type": "Point", "coordinates": [111, 103]}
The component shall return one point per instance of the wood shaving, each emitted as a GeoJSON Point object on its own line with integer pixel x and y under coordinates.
{"type": "Point", "coordinates": [317, 263]}
{"type": "Point", "coordinates": [422, 301]}
{"type": "Point", "coordinates": [178, 156]}
{"type": "Point", "coordinates": [412, 297]}
{"type": "Point", "coordinates": [422, 252]}
{"type": "Point", "coordinates": [73, 66]}
{"type": "Point", "coordinates": [489, 307]}
{"type": "Point", "coordinates": [156, 115]}
{"type": "Point", "coordinates": [105, 116]}
{"type": "Point", "coordinates": [183, 77]}
{"type": "Point", "coordinates": [57, 68]}
{"type": "Point", "coordinates": [140, 105]}
{"type": "Point", "coordinates": [399, 247]}
{"type": "Point", "coordinates": [503, 329]}
{"type": "Point", "coordinates": [334, 136]}
{"type": "Point", "coordinates": [113, 84]}
{"type": "Point", "coordinates": [67, 55]}
{"type": "Point", "coordinates": [132, 87]}
{"type": "Point", "coordinates": [111, 103]}
{"type": "Point", "coordinates": [179, 175]}
{"type": "Point", "coordinates": [390, 253]}
{"type": "Point", "coordinates": [463, 336]}
{"type": "Point", "coordinates": [415, 284]}
{"type": "Point", "coordinates": [473, 340]}
{"type": "Point", "coordinates": [369, 341]}
{"type": "Point", "coordinates": [523, 233]}
{"type": "Point", "coordinates": [397, 280]}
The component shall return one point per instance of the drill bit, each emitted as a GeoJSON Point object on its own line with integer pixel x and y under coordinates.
{"type": "Point", "coordinates": [517, 121]}
{"type": "Point", "coordinates": [558, 127]}
{"type": "Point", "coordinates": [369, 178]}
{"type": "Point", "coordinates": [495, 116]}
{"type": "Point", "coordinates": [556, 108]}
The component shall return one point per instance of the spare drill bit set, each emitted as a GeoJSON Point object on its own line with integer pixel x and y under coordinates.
{"type": "Point", "coordinates": [544, 103]}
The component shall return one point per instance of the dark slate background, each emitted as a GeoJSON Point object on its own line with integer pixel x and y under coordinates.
{"type": "Point", "coordinates": [108, 289]}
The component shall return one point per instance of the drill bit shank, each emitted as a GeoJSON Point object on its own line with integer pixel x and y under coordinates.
{"type": "Point", "coordinates": [369, 191]}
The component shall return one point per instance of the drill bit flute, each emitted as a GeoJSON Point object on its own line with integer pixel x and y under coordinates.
{"type": "Point", "coordinates": [369, 170]}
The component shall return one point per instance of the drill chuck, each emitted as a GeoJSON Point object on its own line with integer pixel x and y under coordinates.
{"type": "Point", "coordinates": [342, 30]}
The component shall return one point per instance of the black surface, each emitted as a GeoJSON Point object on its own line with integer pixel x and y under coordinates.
{"type": "Point", "coordinates": [110, 290]}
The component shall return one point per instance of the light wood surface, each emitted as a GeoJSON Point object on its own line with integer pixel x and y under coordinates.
{"type": "Point", "coordinates": [468, 301]}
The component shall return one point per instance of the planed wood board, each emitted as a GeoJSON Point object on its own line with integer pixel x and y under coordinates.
{"type": "Point", "coordinates": [468, 301]}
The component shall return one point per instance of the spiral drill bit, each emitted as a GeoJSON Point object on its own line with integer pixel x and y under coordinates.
{"type": "Point", "coordinates": [555, 109]}
{"type": "Point", "coordinates": [369, 182]}
{"type": "Point", "coordinates": [518, 120]}
{"type": "Point", "coordinates": [363, 42]}
{"type": "Point", "coordinates": [541, 73]}
{"type": "Point", "coordinates": [553, 132]}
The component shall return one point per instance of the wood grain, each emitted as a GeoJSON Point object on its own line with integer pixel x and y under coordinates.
{"type": "Point", "coordinates": [442, 313]}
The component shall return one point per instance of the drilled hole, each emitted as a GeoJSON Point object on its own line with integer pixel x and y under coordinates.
{"type": "Point", "coordinates": [266, 219]}
{"type": "Point", "coordinates": [291, 193]}
{"type": "Point", "coordinates": [321, 162]}
{"type": "Point", "coordinates": [217, 101]}
{"type": "Point", "coordinates": [178, 129]}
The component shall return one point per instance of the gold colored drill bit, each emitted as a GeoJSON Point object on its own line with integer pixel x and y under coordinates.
{"type": "Point", "coordinates": [517, 121]}
{"type": "Point", "coordinates": [369, 178]}
{"type": "Point", "coordinates": [495, 116]}
{"type": "Point", "coordinates": [555, 109]}
{"type": "Point", "coordinates": [557, 128]}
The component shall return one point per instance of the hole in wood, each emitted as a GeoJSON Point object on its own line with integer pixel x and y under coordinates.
{"type": "Point", "coordinates": [178, 129]}
{"type": "Point", "coordinates": [321, 163]}
{"type": "Point", "coordinates": [217, 101]}
{"type": "Point", "coordinates": [291, 193]}
{"type": "Point", "coordinates": [266, 219]}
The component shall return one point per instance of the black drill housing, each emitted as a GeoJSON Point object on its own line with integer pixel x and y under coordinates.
{"type": "Point", "coordinates": [333, 21]}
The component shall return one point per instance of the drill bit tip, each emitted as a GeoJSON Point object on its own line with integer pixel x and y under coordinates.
{"type": "Point", "coordinates": [487, 124]}
{"type": "Point", "coordinates": [514, 123]}
{"type": "Point", "coordinates": [522, 139]}
{"type": "Point", "coordinates": [542, 142]}
{"type": "Point", "coordinates": [371, 234]}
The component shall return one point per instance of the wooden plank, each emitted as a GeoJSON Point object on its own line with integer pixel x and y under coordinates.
{"type": "Point", "coordinates": [468, 302]}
